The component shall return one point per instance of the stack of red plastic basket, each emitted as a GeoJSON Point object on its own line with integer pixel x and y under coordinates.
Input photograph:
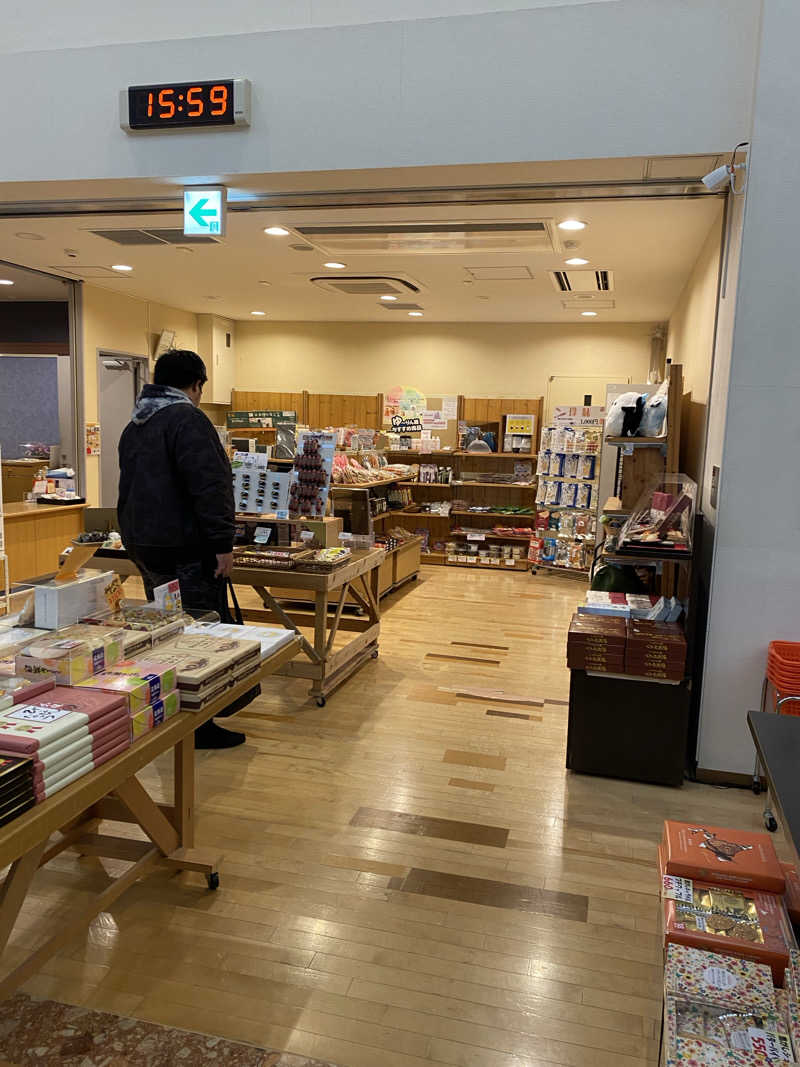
{"type": "Point", "coordinates": [783, 670]}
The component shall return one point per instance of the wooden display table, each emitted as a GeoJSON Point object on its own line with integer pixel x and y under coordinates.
{"type": "Point", "coordinates": [36, 534]}
{"type": "Point", "coordinates": [327, 668]}
{"type": "Point", "coordinates": [113, 792]}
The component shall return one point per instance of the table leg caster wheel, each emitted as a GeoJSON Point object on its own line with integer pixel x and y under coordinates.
{"type": "Point", "coordinates": [770, 822]}
{"type": "Point", "coordinates": [375, 654]}
{"type": "Point", "coordinates": [756, 787]}
{"type": "Point", "coordinates": [321, 702]}
{"type": "Point", "coordinates": [212, 880]}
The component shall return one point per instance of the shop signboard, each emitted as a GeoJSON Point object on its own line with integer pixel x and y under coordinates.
{"type": "Point", "coordinates": [565, 415]}
{"type": "Point", "coordinates": [236, 420]}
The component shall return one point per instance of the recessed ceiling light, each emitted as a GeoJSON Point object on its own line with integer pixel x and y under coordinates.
{"type": "Point", "coordinates": [265, 283]}
{"type": "Point", "coordinates": [27, 236]}
{"type": "Point", "coordinates": [333, 265]}
{"type": "Point", "coordinates": [415, 314]}
{"type": "Point", "coordinates": [258, 312]}
{"type": "Point", "coordinates": [123, 267]}
{"type": "Point", "coordinates": [576, 261]}
{"type": "Point", "coordinates": [277, 231]}
{"type": "Point", "coordinates": [6, 281]}
{"type": "Point", "coordinates": [572, 224]}
{"type": "Point", "coordinates": [589, 314]}
{"type": "Point", "coordinates": [388, 298]}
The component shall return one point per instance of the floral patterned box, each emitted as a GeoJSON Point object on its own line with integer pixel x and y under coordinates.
{"type": "Point", "coordinates": [739, 985]}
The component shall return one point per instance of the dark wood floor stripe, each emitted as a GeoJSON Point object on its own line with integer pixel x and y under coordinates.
{"type": "Point", "coordinates": [468, 783]}
{"type": "Point", "coordinates": [462, 659]}
{"type": "Point", "coordinates": [474, 759]}
{"type": "Point", "coordinates": [514, 715]}
{"type": "Point", "coordinates": [559, 703]}
{"type": "Point", "coordinates": [570, 906]}
{"type": "Point", "coordinates": [405, 822]}
{"type": "Point", "coordinates": [474, 644]}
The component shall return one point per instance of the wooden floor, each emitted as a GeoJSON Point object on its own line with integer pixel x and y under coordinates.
{"type": "Point", "coordinates": [411, 876]}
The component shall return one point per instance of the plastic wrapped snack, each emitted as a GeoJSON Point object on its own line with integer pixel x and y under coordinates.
{"type": "Point", "coordinates": [663, 517]}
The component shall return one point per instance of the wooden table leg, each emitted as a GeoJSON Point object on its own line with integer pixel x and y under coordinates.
{"type": "Point", "coordinates": [14, 889]}
{"type": "Point", "coordinates": [184, 792]}
{"type": "Point", "coordinates": [320, 642]}
{"type": "Point", "coordinates": [149, 816]}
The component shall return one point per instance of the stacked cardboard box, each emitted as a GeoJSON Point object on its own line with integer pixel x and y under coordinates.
{"type": "Point", "coordinates": [596, 643]}
{"type": "Point", "coordinates": [206, 666]}
{"type": "Point", "coordinates": [72, 656]}
{"type": "Point", "coordinates": [67, 733]}
{"type": "Point", "coordinates": [655, 650]}
{"type": "Point", "coordinates": [721, 1012]}
{"type": "Point", "coordinates": [149, 690]}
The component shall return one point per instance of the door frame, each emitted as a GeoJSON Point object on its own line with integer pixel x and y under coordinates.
{"type": "Point", "coordinates": [140, 365]}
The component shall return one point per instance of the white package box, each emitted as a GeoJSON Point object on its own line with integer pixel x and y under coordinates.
{"type": "Point", "coordinates": [63, 603]}
{"type": "Point", "coordinates": [271, 637]}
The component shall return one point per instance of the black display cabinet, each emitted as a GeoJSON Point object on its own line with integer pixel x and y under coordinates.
{"type": "Point", "coordinates": [624, 728]}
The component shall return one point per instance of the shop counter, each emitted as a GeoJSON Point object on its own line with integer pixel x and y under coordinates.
{"type": "Point", "coordinates": [36, 534]}
{"type": "Point", "coordinates": [112, 792]}
{"type": "Point", "coordinates": [326, 667]}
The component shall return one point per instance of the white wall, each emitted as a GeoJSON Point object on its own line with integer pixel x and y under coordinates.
{"type": "Point", "coordinates": [626, 78]}
{"type": "Point", "coordinates": [755, 594]}
{"type": "Point", "coordinates": [42, 24]}
{"type": "Point", "coordinates": [486, 359]}
{"type": "Point", "coordinates": [690, 342]}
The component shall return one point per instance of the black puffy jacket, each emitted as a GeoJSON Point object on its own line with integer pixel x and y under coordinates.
{"type": "Point", "coordinates": [175, 485]}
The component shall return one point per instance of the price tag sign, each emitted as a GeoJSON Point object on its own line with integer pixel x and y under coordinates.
{"type": "Point", "coordinates": [476, 537]}
{"type": "Point", "coordinates": [262, 535]}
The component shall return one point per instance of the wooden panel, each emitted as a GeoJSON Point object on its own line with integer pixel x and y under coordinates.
{"type": "Point", "coordinates": [54, 531]}
{"type": "Point", "coordinates": [21, 548]}
{"type": "Point", "coordinates": [247, 400]}
{"type": "Point", "coordinates": [343, 409]}
{"type": "Point", "coordinates": [492, 409]}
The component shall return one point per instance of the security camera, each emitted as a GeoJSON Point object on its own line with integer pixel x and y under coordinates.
{"type": "Point", "coordinates": [721, 176]}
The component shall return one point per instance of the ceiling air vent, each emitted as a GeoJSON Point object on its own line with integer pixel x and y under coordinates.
{"type": "Point", "coordinates": [152, 237]}
{"type": "Point", "coordinates": [367, 285]}
{"type": "Point", "coordinates": [433, 237]}
{"type": "Point", "coordinates": [583, 281]}
{"type": "Point", "coordinates": [401, 307]}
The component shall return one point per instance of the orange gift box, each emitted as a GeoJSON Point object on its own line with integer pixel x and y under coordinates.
{"type": "Point", "coordinates": [722, 856]}
{"type": "Point", "coordinates": [747, 923]}
{"type": "Point", "coordinates": [792, 896]}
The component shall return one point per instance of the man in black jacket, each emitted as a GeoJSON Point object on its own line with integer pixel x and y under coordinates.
{"type": "Point", "coordinates": [176, 509]}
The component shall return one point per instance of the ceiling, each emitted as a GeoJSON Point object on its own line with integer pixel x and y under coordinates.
{"type": "Point", "coordinates": [648, 245]}
{"type": "Point", "coordinates": [29, 285]}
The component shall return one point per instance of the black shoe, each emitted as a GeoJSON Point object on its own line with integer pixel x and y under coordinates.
{"type": "Point", "coordinates": [209, 735]}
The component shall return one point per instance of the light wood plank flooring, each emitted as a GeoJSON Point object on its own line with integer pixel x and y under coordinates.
{"type": "Point", "coordinates": [409, 879]}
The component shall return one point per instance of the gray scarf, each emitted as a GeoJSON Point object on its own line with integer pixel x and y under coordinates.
{"type": "Point", "coordinates": [155, 397]}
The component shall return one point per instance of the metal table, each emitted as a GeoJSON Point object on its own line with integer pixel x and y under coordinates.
{"type": "Point", "coordinates": [777, 741]}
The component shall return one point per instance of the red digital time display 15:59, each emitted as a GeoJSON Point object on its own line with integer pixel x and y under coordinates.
{"type": "Point", "coordinates": [186, 105]}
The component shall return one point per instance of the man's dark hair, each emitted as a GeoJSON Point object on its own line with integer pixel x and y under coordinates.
{"type": "Point", "coordinates": [180, 368]}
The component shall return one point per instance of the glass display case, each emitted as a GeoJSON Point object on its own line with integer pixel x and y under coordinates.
{"type": "Point", "coordinates": [661, 523]}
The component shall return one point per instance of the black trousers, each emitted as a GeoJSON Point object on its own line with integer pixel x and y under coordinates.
{"type": "Point", "coordinates": [201, 592]}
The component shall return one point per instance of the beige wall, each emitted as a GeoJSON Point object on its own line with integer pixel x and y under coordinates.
{"type": "Point", "coordinates": [471, 359]}
{"type": "Point", "coordinates": [122, 324]}
{"type": "Point", "coordinates": [690, 341]}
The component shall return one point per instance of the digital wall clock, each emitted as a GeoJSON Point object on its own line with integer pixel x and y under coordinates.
{"type": "Point", "coordinates": [220, 104]}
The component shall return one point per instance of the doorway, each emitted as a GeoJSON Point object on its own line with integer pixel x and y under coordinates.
{"type": "Point", "coordinates": [120, 377]}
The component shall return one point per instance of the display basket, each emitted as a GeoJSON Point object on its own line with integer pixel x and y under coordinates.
{"type": "Point", "coordinates": [284, 559]}
{"type": "Point", "coordinates": [323, 566]}
{"type": "Point", "coordinates": [660, 524]}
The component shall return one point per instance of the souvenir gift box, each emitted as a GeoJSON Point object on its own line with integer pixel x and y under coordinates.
{"type": "Point", "coordinates": [703, 1035]}
{"type": "Point", "coordinates": [206, 666]}
{"type": "Point", "coordinates": [724, 981]}
{"type": "Point", "coordinates": [144, 616]}
{"type": "Point", "coordinates": [655, 649]}
{"type": "Point", "coordinates": [16, 787]}
{"type": "Point", "coordinates": [155, 714]}
{"type": "Point", "coordinates": [20, 689]}
{"type": "Point", "coordinates": [720, 855]}
{"type": "Point", "coordinates": [16, 638]}
{"type": "Point", "coordinates": [747, 923]}
{"type": "Point", "coordinates": [67, 732]}
{"type": "Point", "coordinates": [62, 603]}
{"type": "Point", "coordinates": [141, 682]}
{"type": "Point", "coordinates": [71, 658]}
{"type": "Point", "coordinates": [271, 638]}
{"type": "Point", "coordinates": [596, 643]}
{"type": "Point", "coordinates": [792, 896]}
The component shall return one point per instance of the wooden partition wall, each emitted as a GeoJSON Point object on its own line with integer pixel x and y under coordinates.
{"type": "Point", "coordinates": [316, 409]}
{"type": "Point", "coordinates": [477, 410]}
